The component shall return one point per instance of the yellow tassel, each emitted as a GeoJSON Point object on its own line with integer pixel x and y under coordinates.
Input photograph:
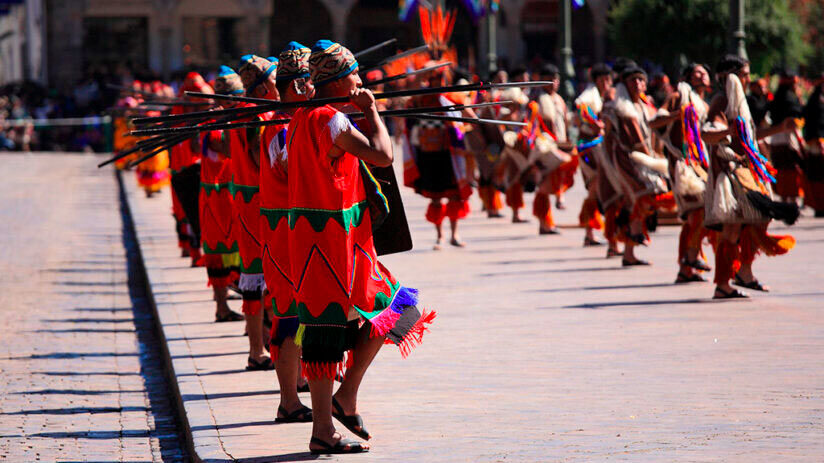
{"type": "Point", "coordinates": [299, 335]}
{"type": "Point", "coordinates": [231, 260]}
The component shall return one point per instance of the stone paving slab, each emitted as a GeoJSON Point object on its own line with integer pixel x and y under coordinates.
{"type": "Point", "coordinates": [72, 383]}
{"type": "Point", "coordinates": [542, 351]}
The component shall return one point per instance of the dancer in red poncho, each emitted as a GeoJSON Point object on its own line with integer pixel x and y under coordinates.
{"type": "Point", "coordinates": [258, 76]}
{"type": "Point", "coordinates": [292, 85]}
{"type": "Point", "coordinates": [346, 300]}
{"type": "Point", "coordinates": [217, 216]}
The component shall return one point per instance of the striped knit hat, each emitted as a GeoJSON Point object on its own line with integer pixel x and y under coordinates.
{"type": "Point", "coordinates": [228, 82]}
{"type": "Point", "coordinates": [330, 61]}
{"type": "Point", "coordinates": [294, 62]}
{"type": "Point", "coordinates": [254, 70]}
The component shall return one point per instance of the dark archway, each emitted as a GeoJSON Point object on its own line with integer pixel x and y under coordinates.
{"type": "Point", "coordinates": [539, 29]}
{"type": "Point", "coordinates": [305, 21]}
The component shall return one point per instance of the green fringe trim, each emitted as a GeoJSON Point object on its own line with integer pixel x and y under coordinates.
{"type": "Point", "coordinates": [322, 338]}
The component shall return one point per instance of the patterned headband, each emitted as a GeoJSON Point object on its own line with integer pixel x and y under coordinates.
{"type": "Point", "coordinates": [330, 61]}
{"type": "Point", "coordinates": [228, 82]}
{"type": "Point", "coordinates": [294, 62]}
{"type": "Point", "coordinates": [253, 70]}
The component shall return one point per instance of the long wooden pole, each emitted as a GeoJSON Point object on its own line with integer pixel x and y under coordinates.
{"type": "Point", "coordinates": [264, 105]}
{"type": "Point", "coordinates": [250, 124]}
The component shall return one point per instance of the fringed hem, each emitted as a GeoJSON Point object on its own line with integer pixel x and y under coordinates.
{"type": "Point", "coordinates": [403, 335]}
{"type": "Point", "coordinates": [457, 209]}
{"type": "Point", "coordinates": [328, 370]}
{"type": "Point", "coordinates": [223, 281]}
{"type": "Point", "coordinates": [252, 282]}
{"type": "Point", "coordinates": [283, 328]}
{"type": "Point", "coordinates": [386, 320]}
{"type": "Point", "coordinates": [435, 213]}
{"type": "Point", "coordinates": [414, 337]}
{"type": "Point", "coordinates": [251, 307]}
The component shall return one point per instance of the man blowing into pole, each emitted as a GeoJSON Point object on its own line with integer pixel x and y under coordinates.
{"type": "Point", "coordinates": [347, 301]}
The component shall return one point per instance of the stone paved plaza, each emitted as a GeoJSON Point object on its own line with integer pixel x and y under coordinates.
{"type": "Point", "coordinates": [542, 350]}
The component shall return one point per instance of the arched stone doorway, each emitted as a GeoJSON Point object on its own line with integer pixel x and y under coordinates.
{"type": "Point", "coordinates": [305, 21]}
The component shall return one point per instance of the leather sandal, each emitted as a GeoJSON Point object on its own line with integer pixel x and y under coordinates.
{"type": "Point", "coordinates": [734, 294]}
{"type": "Point", "coordinates": [754, 285]}
{"type": "Point", "coordinates": [301, 415]}
{"type": "Point", "coordinates": [339, 447]}
{"type": "Point", "coordinates": [694, 278]}
{"type": "Point", "coordinates": [351, 422]}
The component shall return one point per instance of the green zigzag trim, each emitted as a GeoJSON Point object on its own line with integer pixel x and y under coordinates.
{"type": "Point", "coordinates": [248, 191]}
{"type": "Point", "coordinates": [333, 314]}
{"type": "Point", "coordinates": [291, 311]}
{"type": "Point", "coordinates": [256, 266]}
{"type": "Point", "coordinates": [215, 187]}
{"type": "Point", "coordinates": [220, 249]}
{"type": "Point", "coordinates": [347, 218]}
{"type": "Point", "coordinates": [274, 216]}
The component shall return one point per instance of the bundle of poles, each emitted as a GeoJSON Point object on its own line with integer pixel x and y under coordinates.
{"type": "Point", "coordinates": [166, 131]}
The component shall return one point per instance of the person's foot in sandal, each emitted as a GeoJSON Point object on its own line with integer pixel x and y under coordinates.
{"type": "Point", "coordinates": [754, 284]}
{"type": "Point", "coordinates": [228, 316]}
{"type": "Point", "coordinates": [732, 293]}
{"type": "Point", "coordinates": [302, 414]}
{"type": "Point", "coordinates": [340, 445]}
{"type": "Point", "coordinates": [455, 241]}
{"type": "Point", "coordinates": [612, 252]}
{"type": "Point", "coordinates": [698, 264]}
{"type": "Point", "coordinates": [353, 422]}
{"type": "Point", "coordinates": [684, 278]}
{"type": "Point", "coordinates": [262, 364]}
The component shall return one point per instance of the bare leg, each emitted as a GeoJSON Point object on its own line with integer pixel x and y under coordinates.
{"type": "Point", "coordinates": [729, 234]}
{"type": "Point", "coordinates": [635, 227]}
{"type": "Point", "coordinates": [287, 369]}
{"type": "Point", "coordinates": [322, 426]}
{"type": "Point", "coordinates": [456, 240]}
{"type": "Point", "coordinates": [220, 296]}
{"type": "Point", "coordinates": [254, 329]}
{"type": "Point", "coordinates": [366, 349]}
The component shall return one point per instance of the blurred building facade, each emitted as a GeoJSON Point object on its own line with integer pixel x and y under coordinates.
{"type": "Point", "coordinates": [84, 36]}
{"type": "Point", "coordinates": [22, 33]}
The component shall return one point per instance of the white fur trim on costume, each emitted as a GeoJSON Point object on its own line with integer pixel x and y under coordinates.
{"type": "Point", "coordinates": [687, 182]}
{"type": "Point", "coordinates": [725, 205]}
{"type": "Point", "coordinates": [737, 102]}
{"type": "Point", "coordinates": [276, 151]}
{"type": "Point", "coordinates": [337, 125]}
{"type": "Point", "coordinates": [510, 138]}
{"type": "Point", "coordinates": [251, 282]}
{"type": "Point", "coordinates": [592, 98]}
{"type": "Point", "coordinates": [659, 165]}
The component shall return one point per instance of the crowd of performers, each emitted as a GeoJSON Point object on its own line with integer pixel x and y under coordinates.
{"type": "Point", "coordinates": [284, 211]}
{"type": "Point", "coordinates": [703, 157]}
{"type": "Point", "coordinates": [284, 214]}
